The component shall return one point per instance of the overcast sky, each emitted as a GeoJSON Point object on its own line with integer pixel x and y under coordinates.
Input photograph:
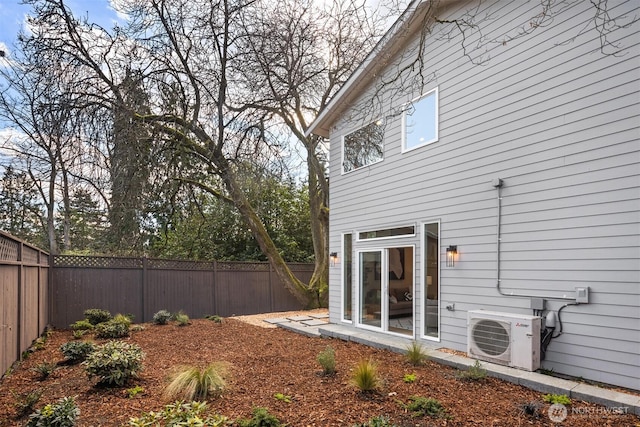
{"type": "Point", "coordinates": [12, 16]}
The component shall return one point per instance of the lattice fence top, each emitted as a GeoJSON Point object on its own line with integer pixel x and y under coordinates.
{"type": "Point", "coordinates": [166, 264]}
{"type": "Point", "coordinates": [243, 266]}
{"type": "Point", "coordinates": [95, 262]}
{"type": "Point", "coordinates": [29, 255]}
{"type": "Point", "coordinates": [8, 249]}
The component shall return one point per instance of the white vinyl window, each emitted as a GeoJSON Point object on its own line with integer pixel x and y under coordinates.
{"type": "Point", "coordinates": [420, 122]}
{"type": "Point", "coordinates": [363, 147]}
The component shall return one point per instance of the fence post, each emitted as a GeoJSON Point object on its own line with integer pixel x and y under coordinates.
{"type": "Point", "coordinates": [145, 278]}
{"type": "Point", "coordinates": [20, 326]}
{"type": "Point", "coordinates": [216, 308]}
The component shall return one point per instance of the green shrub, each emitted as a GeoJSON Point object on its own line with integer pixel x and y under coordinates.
{"type": "Point", "coordinates": [60, 414]}
{"type": "Point", "coordinates": [475, 372]}
{"type": "Point", "coordinates": [409, 378]}
{"type": "Point", "coordinates": [45, 369]}
{"type": "Point", "coordinates": [377, 422]}
{"type": "Point", "coordinates": [365, 376]}
{"type": "Point", "coordinates": [182, 319]}
{"type": "Point", "coordinates": [327, 359]}
{"type": "Point", "coordinates": [214, 318]}
{"type": "Point", "coordinates": [24, 402]}
{"type": "Point", "coordinates": [421, 406]}
{"type": "Point", "coordinates": [190, 382]}
{"type": "Point", "coordinates": [134, 391]}
{"type": "Point", "coordinates": [97, 315]}
{"type": "Point", "coordinates": [114, 362]}
{"type": "Point", "coordinates": [82, 325]}
{"type": "Point", "coordinates": [562, 399]}
{"type": "Point", "coordinates": [118, 327]}
{"type": "Point", "coordinates": [76, 351]}
{"type": "Point", "coordinates": [162, 317]}
{"type": "Point", "coordinates": [416, 354]}
{"type": "Point", "coordinates": [261, 418]}
{"type": "Point", "coordinates": [78, 334]}
{"type": "Point", "coordinates": [283, 397]}
{"type": "Point", "coordinates": [180, 414]}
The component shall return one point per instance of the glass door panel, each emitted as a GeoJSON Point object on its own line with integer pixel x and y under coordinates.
{"type": "Point", "coordinates": [400, 290]}
{"type": "Point", "coordinates": [431, 279]}
{"type": "Point", "coordinates": [371, 288]}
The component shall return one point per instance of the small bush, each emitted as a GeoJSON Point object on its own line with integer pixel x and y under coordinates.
{"type": "Point", "coordinates": [39, 343]}
{"type": "Point", "coordinates": [114, 363]}
{"type": "Point", "coordinates": [97, 315]}
{"type": "Point", "coordinates": [78, 334]}
{"type": "Point", "coordinates": [423, 406]}
{"type": "Point", "coordinates": [562, 399]}
{"type": "Point", "coordinates": [214, 318]}
{"type": "Point", "coordinates": [283, 397]}
{"type": "Point", "coordinates": [365, 376]}
{"type": "Point", "coordinates": [45, 369]}
{"type": "Point", "coordinates": [179, 414]}
{"type": "Point", "coordinates": [25, 402]}
{"type": "Point", "coordinates": [134, 391]}
{"type": "Point", "coordinates": [377, 422]}
{"type": "Point", "coordinates": [530, 409]}
{"type": "Point", "coordinates": [76, 351]}
{"type": "Point", "coordinates": [261, 418]}
{"type": "Point", "coordinates": [327, 359]}
{"type": "Point", "coordinates": [182, 319]}
{"type": "Point", "coordinates": [118, 327]}
{"type": "Point", "coordinates": [475, 372]}
{"type": "Point", "coordinates": [409, 378]}
{"type": "Point", "coordinates": [60, 414]}
{"type": "Point", "coordinates": [416, 354]}
{"type": "Point", "coordinates": [190, 382]}
{"type": "Point", "coordinates": [81, 325]}
{"type": "Point", "coordinates": [162, 317]}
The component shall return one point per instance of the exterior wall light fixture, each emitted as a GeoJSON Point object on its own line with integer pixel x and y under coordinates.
{"type": "Point", "coordinates": [333, 259]}
{"type": "Point", "coordinates": [452, 252]}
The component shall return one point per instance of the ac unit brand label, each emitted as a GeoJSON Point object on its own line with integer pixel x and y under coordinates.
{"type": "Point", "coordinates": [521, 325]}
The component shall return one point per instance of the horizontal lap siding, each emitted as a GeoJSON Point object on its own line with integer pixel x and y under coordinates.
{"type": "Point", "coordinates": [559, 124]}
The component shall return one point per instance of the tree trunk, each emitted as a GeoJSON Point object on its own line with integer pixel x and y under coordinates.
{"type": "Point", "coordinates": [304, 294]}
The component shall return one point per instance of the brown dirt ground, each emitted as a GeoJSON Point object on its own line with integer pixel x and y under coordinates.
{"type": "Point", "coordinates": [266, 361]}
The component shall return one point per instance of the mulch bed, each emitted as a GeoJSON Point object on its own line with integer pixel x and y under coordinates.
{"type": "Point", "coordinates": [265, 362]}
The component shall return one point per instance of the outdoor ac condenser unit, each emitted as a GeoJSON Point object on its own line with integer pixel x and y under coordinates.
{"type": "Point", "coordinates": [504, 338]}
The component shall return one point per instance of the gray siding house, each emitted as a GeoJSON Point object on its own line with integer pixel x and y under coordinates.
{"type": "Point", "coordinates": [485, 177]}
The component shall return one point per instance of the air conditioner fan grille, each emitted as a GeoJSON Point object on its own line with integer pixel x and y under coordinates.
{"type": "Point", "coordinates": [491, 337]}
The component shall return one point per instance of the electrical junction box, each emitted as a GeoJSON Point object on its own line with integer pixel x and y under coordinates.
{"type": "Point", "coordinates": [582, 295]}
{"type": "Point", "coordinates": [536, 304]}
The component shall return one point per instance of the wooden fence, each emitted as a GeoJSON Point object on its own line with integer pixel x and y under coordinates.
{"type": "Point", "coordinates": [37, 290]}
{"type": "Point", "coordinates": [24, 308]}
{"type": "Point", "coordinates": [142, 286]}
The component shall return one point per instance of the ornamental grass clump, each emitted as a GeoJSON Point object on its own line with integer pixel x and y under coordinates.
{"type": "Point", "coordinates": [114, 363]}
{"type": "Point", "coordinates": [365, 376]}
{"type": "Point", "coordinates": [416, 354]}
{"type": "Point", "coordinates": [193, 383]}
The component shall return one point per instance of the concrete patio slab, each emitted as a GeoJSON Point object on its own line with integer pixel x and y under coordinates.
{"type": "Point", "coordinates": [276, 321]}
{"type": "Point", "coordinates": [313, 322]}
{"type": "Point", "coordinates": [299, 318]}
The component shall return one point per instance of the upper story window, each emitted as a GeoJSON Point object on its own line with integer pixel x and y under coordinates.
{"type": "Point", "coordinates": [420, 122]}
{"type": "Point", "coordinates": [363, 147]}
